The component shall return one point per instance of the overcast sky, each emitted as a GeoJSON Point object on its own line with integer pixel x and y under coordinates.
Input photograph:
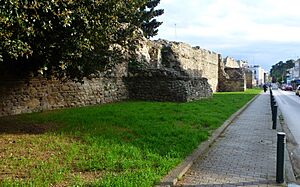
{"type": "Point", "coordinates": [263, 32]}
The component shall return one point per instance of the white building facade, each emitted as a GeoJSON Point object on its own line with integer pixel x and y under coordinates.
{"type": "Point", "coordinates": [258, 74]}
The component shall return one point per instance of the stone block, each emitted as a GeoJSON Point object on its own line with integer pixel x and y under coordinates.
{"type": "Point", "coordinates": [33, 103]}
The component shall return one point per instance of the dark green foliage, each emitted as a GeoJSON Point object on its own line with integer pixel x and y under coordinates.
{"type": "Point", "coordinates": [70, 38]}
{"type": "Point", "coordinates": [278, 71]}
{"type": "Point", "coordinates": [149, 25]}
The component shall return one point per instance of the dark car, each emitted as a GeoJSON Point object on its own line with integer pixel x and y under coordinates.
{"type": "Point", "coordinates": [288, 88]}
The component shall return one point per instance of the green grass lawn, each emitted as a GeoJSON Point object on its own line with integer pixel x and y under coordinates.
{"type": "Point", "coordinates": [123, 144]}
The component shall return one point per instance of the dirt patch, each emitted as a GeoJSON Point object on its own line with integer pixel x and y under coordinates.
{"type": "Point", "coordinates": [88, 176]}
{"type": "Point", "coordinates": [22, 153]}
{"type": "Point", "coordinates": [16, 126]}
{"type": "Point", "coordinates": [85, 177]}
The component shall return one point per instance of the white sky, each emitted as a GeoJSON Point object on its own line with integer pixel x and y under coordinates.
{"type": "Point", "coordinates": [262, 32]}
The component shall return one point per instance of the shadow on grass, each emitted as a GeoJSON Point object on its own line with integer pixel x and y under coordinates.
{"type": "Point", "coordinates": [15, 125]}
{"type": "Point", "coordinates": [159, 126]}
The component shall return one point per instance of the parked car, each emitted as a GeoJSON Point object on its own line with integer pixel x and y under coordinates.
{"type": "Point", "coordinates": [298, 90]}
{"type": "Point", "coordinates": [287, 87]}
{"type": "Point", "coordinates": [274, 86]}
{"type": "Point", "coordinates": [282, 87]}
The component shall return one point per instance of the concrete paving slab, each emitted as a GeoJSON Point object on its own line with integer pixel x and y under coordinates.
{"type": "Point", "coordinates": [245, 154]}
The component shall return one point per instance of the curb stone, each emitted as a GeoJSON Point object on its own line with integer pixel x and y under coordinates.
{"type": "Point", "coordinates": [175, 174]}
{"type": "Point", "coordinates": [291, 147]}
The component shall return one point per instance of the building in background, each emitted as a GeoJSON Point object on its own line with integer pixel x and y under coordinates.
{"type": "Point", "coordinates": [293, 74]}
{"type": "Point", "coordinates": [259, 75]}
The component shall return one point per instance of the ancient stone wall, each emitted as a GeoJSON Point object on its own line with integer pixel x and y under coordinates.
{"type": "Point", "coordinates": [179, 56]}
{"type": "Point", "coordinates": [38, 94]}
{"type": "Point", "coordinates": [249, 78]}
{"type": "Point", "coordinates": [166, 85]}
{"type": "Point", "coordinates": [231, 79]}
{"type": "Point", "coordinates": [242, 63]}
{"type": "Point", "coordinates": [163, 71]}
{"type": "Point", "coordinates": [231, 63]}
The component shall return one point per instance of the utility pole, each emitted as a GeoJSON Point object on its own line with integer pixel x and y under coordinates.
{"type": "Point", "coordinates": [175, 32]}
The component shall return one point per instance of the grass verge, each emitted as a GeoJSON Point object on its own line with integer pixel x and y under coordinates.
{"type": "Point", "coordinates": [123, 144]}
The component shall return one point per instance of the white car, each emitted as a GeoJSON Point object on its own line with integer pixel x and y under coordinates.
{"type": "Point", "coordinates": [274, 86]}
{"type": "Point", "coordinates": [298, 90]}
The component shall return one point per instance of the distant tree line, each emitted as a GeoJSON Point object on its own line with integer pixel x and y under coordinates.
{"type": "Point", "coordinates": [70, 38]}
{"type": "Point", "coordinates": [279, 70]}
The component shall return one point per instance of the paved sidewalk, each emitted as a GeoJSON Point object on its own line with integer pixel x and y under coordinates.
{"type": "Point", "coordinates": [244, 155]}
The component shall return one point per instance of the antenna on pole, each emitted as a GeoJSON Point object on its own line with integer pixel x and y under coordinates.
{"type": "Point", "coordinates": [175, 31]}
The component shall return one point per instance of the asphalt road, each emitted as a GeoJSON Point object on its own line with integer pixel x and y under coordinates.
{"type": "Point", "coordinates": [289, 105]}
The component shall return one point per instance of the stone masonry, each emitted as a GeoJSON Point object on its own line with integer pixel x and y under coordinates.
{"type": "Point", "coordinates": [38, 94]}
{"type": "Point", "coordinates": [166, 85]}
{"type": "Point", "coordinates": [249, 78]}
{"type": "Point", "coordinates": [167, 71]}
{"type": "Point", "coordinates": [231, 79]}
{"type": "Point", "coordinates": [195, 61]}
{"type": "Point", "coordinates": [231, 63]}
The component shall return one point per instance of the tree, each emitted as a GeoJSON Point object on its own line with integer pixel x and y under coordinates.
{"type": "Point", "coordinates": [149, 25]}
{"type": "Point", "coordinates": [278, 71]}
{"type": "Point", "coordinates": [68, 38]}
